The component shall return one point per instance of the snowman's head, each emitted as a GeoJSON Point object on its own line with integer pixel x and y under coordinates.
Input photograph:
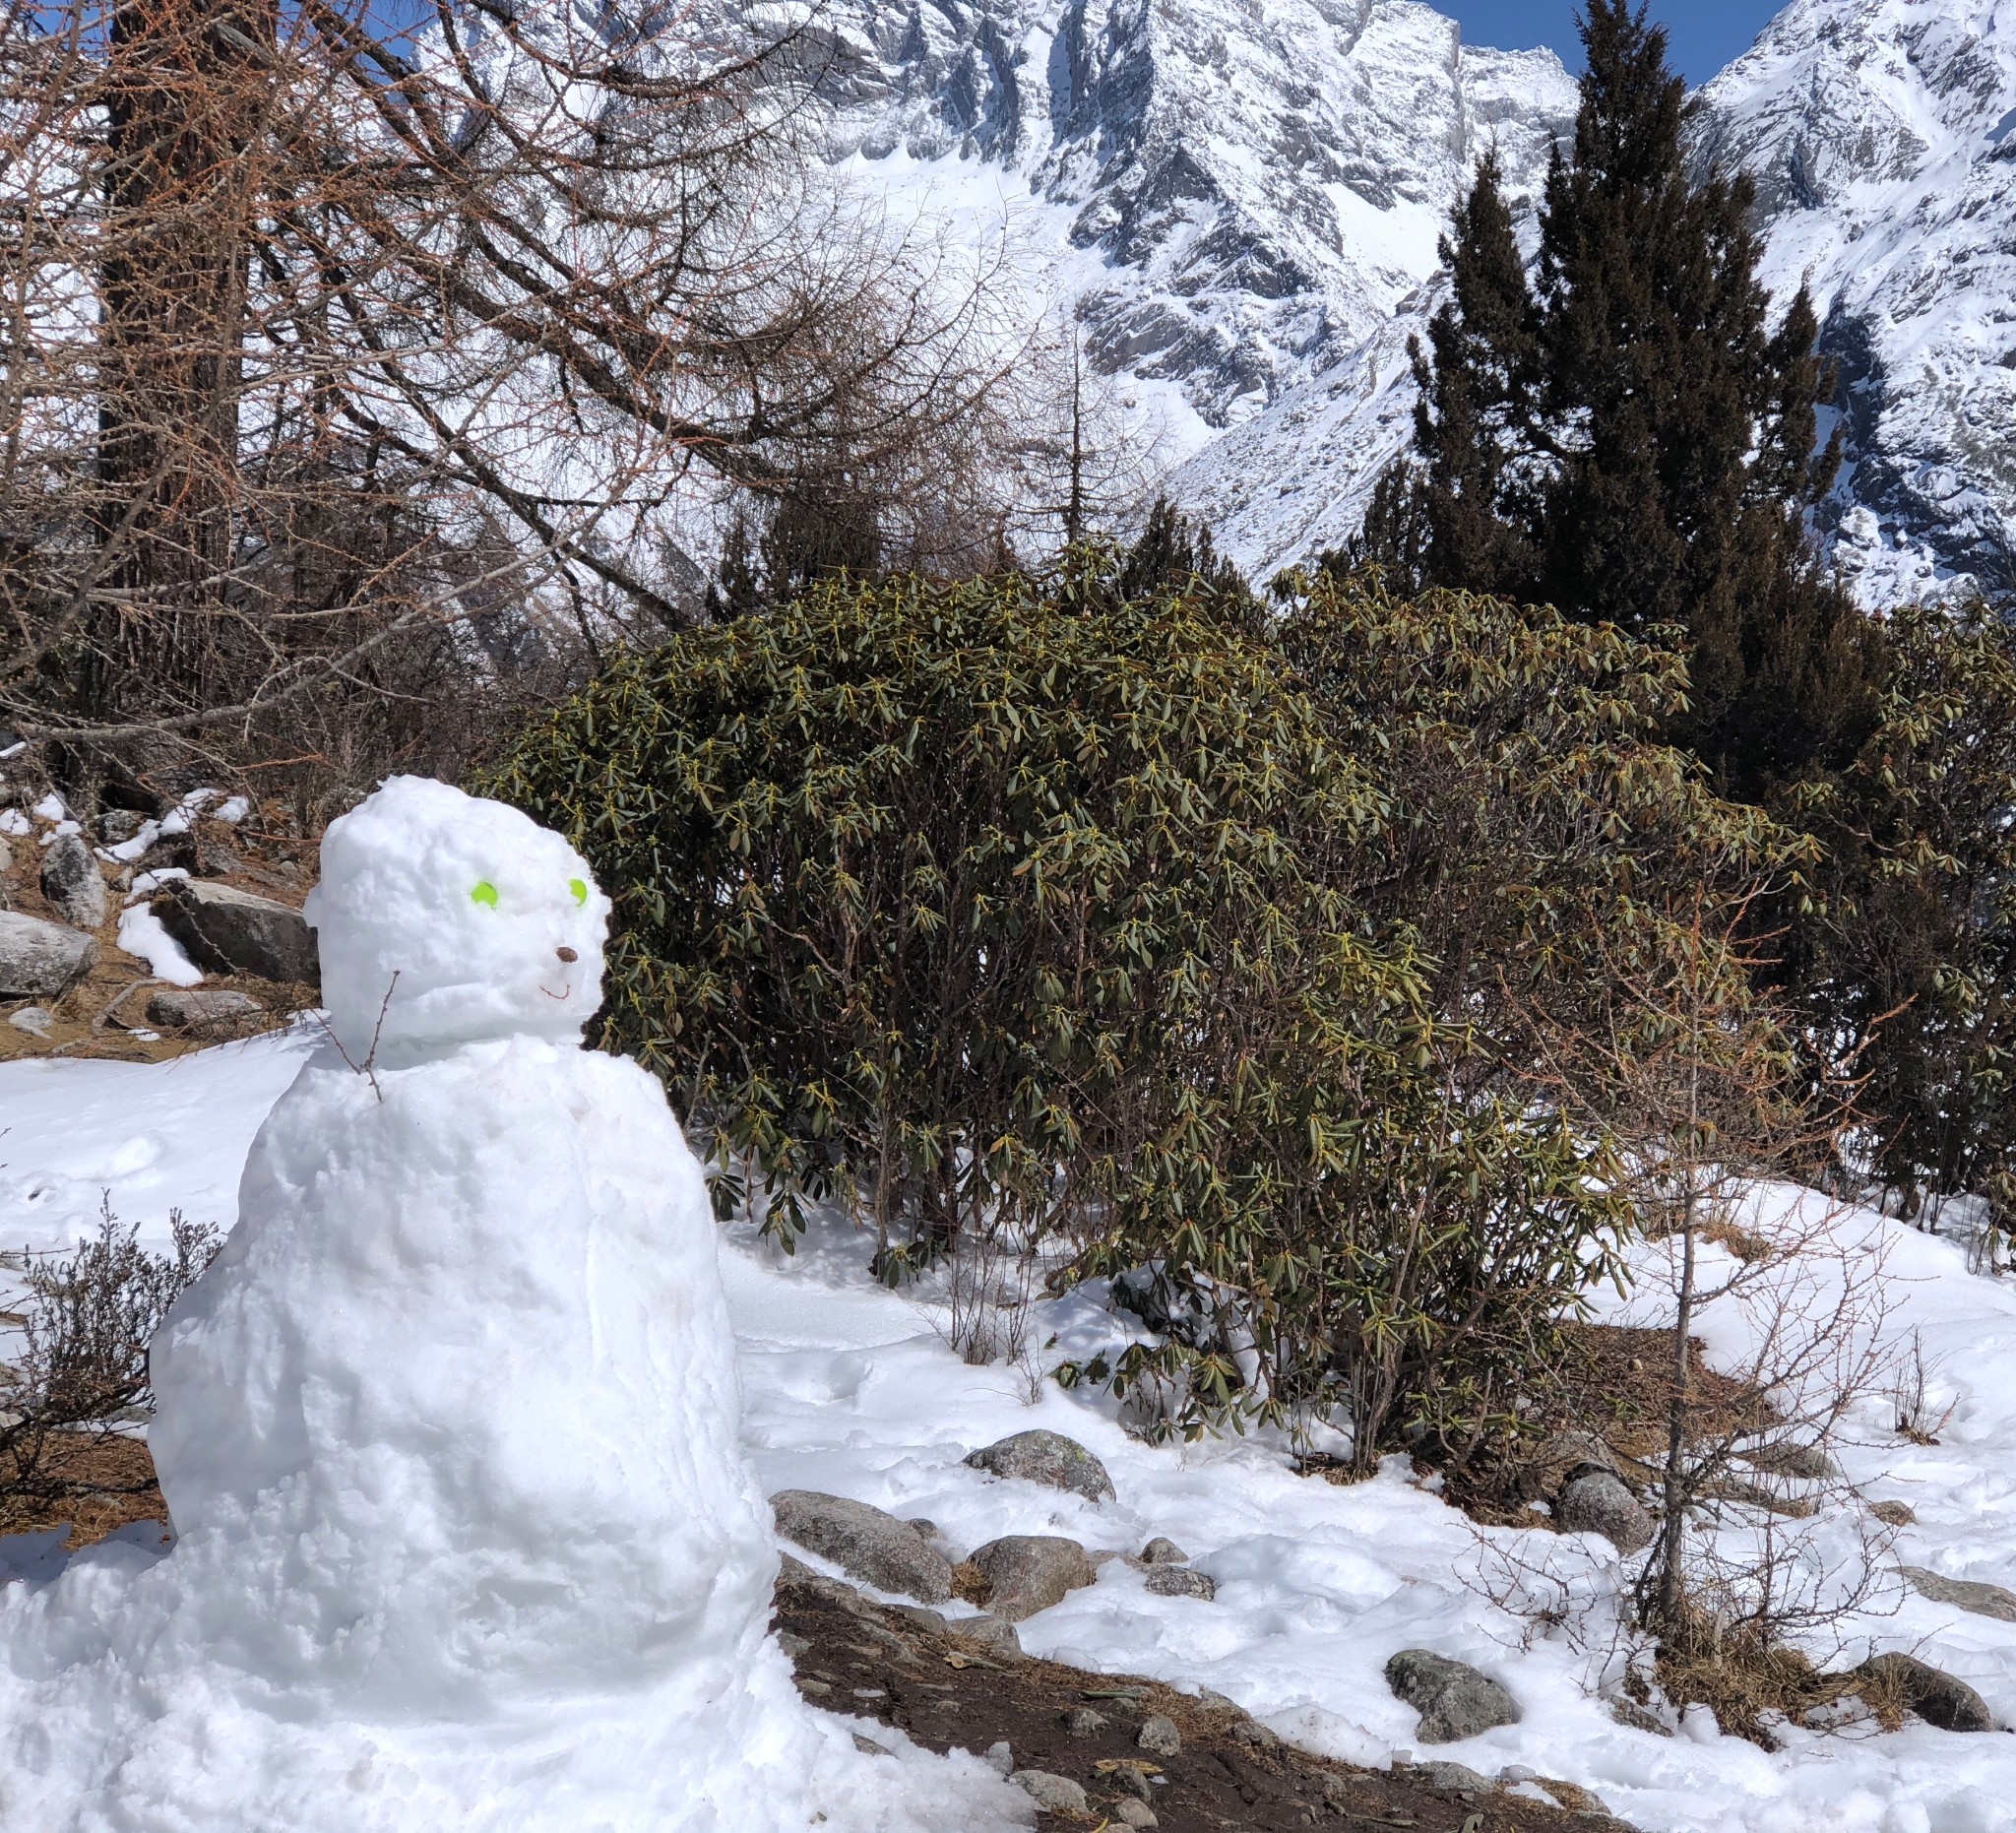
{"type": "Point", "coordinates": [489, 922]}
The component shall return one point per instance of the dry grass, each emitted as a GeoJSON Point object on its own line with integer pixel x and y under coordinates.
{"type": "Point", "coordinates": [1747, 1678]}
{"type": "Point", "coordinates": [110, 1481]}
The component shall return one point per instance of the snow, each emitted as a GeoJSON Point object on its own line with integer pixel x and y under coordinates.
{"type": "Point", "coordinates": [141, 936]}
{"type": "Point", "coordinates": [448, 1432]}
{"type": "Point", "coordinates": [852, 1390]}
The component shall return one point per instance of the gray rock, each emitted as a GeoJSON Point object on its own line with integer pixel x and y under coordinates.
{"type": "Point", "coordinates": [1936, 1695]}
{"type": "Point", "coordinates": [867, 1747]}
{"type": "Point", "coordinates": [116, 826]}
{"type": "Point", "coordinates": [72, 883]}
{"type": "Point", "coordinates": [1561, 1454]}
{"type": "Point", "coordinates": [1180, 1581]}
{"type": "Point", "coordinates": [1135, 1813]}
{"type": "Point", "coordinates": [1962, 1593]}
{"type": "Point", "coordinates": [792, 1646]}
{"type": "Point", "coordinates": [1029, 1572]}
{"type": "Point", "coordinates": [1052, 1795]}
{"type": "Point", "coordinates": [1780, 1457]}
{"type": "Point", "coordinates": [36, 1021]}
{"type": "Point", "coordinates": [1252, 1732]}
{"type": "Point", "coordinates": [1161, 1552]}
{"type": "Point", "coordinates": [1452, 1778]}
{"type": "Point", "coordinates": [1894, 1514]}
{"type": "Point", "coordinates": [178, 1007]}
{"type": "Point", "coordinates": [228, 931]}
{"type": "Point", "coordinates": [987, 1635]}
{"type": "Point", "coordinates": [1084, 1722]}
{"type": "Point", "coordinates": [6, 857]}
{"type": "Point", "coordinates": [1000, 1757]}
{"type": "Point", "coordinates": [864, 1542]}
{"type": "Point", "coordinates": [1596, 1503]}
{"type": "Point", "coordinates": [1455, 1700]}
{"type": "Point", "coordinates": [1158, 1735]}
{"type": "Point", "coordinates": [39, 960]}
{"type": "Point", "coordinates": [1047, 1458]}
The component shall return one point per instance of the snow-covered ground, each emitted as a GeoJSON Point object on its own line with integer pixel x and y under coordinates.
{"type": "Point", "coordinates": [853, 1389]}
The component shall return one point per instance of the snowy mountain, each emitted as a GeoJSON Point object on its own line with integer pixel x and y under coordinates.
{"type": "Point", "coordinates": [1237, 193]}
{"type": "Point", "coordinates": [1882, 134]}
{"type": "Point", "coordinates": [1241, 200]}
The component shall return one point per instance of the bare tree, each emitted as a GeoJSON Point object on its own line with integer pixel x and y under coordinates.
{"type": "Point", "coordinates": [340, 364]}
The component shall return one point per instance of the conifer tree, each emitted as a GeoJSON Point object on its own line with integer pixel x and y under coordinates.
{"type": "Point", "coordinates": [1623, 434]}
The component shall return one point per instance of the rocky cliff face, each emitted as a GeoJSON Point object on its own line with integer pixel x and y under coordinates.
{"type": "Point", "coordinates": [1241, 200]}
{"type": "Point", "coordinates": [1882, 134]}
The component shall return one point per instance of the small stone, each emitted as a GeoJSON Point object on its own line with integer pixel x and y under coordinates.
{"type": "Point", "coordinates": [1637, 1718]}
{"type": "Point", "coordinates": [866, 1543]}
{"type": "Point", "coordinates": [991, 1636]}
{"type": "Point", "coordinates": [1937, 1697]}
{"type": "Point", "coordinates": [819, 1690]}
{"type": "Point", "coordinates": [1452, 1778]}
{"type": "Point", "coordinates": [1963, 1593]}
{"type": "Point", "coordinates": [867, 1747]}
{"type": "Point", "coordinates": [792, 1646]}
{"type": "Point", "coordinates": [1573, 1795]}
{"type": "Point", "coordinates": [41, 960]}
{"type": "Point", "coordinates": [1454, 1700]}
{"type": "Point", "coordinates": [924, 1622]}
{"type": "Point", "coordinates": [116, 826]}
{"type": "Point", "coordinates": [1596, 1503]}
{"type": "Point", "coordinates": [1780, 1457]}
{"type": "Point", "coordinates": [1029, 1572]}
{"type": "Point", "coordinates": [1047, 1458]}
{"type": "Point", "coordinates": [1894, 1514]}
{"type": "Point", "coordinates": [1336, 1792]}
{"type": "Point", "coordinates": [1181, 1581]}
{"type": "Point", "coordinates": [924, 1525]}
{"type": "Point", "coordinates": [182, 1008]}
{"type": "Point", "coordinates": [36, 1021]}
{"type": "Point", "coordinates": [1052, 1795]}
{"type": "Point", "coordinates": [1161, 1552]}
{"type": "Point", "coordinates": [1129, 1778]}
{"type": "Point", "coordinates": [72, 883]}
{"type": "Point", "coordinates": [1135, 1813]}
{"type": "Point", "coordinates": [1001, 1757]}
{"type": "Point", "coordinates": [1252, 1732]}
{"type": "Point", "coordinates": [1158, 1735]}
{"type": "Point", "coordinates": [1084, 1722]}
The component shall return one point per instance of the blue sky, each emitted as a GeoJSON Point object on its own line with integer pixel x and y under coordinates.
{"type": "Point", "coordinates": [1704, 34]}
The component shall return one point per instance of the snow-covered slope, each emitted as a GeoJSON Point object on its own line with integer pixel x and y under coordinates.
{"type": "Point", "coordinates": [1242, 199]}
{"type": "Point", "coordinates": [1242, 193]}
{"type": "Point", "coordinates": [1883, 137]}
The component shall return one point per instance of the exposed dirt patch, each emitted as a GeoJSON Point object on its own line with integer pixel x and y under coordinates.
{"type": "Point", "coordinates": [108, 1478]}
{"type": "Point", "coordinates": [102, 1016]}
{"type": "Point", "coordinates": [899, 1668]}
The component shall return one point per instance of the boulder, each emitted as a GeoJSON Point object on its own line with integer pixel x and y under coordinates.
{"type": "Point", "coordinates": [1047, 1458]}
{"type": "Point", "coordinates": [177, 1008]}
{"type": "Point", "coordinates": [1158, 1735]}
{"type": "Point", "coordinates": [1029, 1572]}
{"type": "Point", "coordinates": [1455, 1700]}
{"type": "Point", "coordinates": [1596, 1503]}
{"type": "Point", "coordinates": [228, 931]}
{"type": "Point", "coordinates": [1963, 1593]}
{"type": "Point", "coordinates": [1934, 1695]}
{"type": "Point", "coordinates": [1179, 1581]}
{"type": "Point", "coordinates": [864, 1542]}
{"type": "Point", "coordinates": [40, 959]}
{"type": "Point", "coordinates": [72, 883]}
{"type": "Point", "coordinates": [1052, 1795]}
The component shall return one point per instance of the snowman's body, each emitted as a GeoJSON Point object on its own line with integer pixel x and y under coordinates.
{"type": "Point", "coordinates": [449, 1434]}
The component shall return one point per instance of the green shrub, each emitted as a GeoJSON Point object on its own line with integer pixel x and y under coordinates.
{"type": "Point", "coordinates": [1102, 920]}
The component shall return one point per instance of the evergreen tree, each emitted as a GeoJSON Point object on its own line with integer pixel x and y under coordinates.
{"type": "Point", "coordinates": [1624, 436]}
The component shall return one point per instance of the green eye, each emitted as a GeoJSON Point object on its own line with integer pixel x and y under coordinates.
{"type": "Point", "coordinates": [484, 893]}
{"type": "Point", "coordinates": [580, 890]}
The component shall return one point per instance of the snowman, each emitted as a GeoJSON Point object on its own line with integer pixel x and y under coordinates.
{"type": "Point", "coordinates": [449, 1434]}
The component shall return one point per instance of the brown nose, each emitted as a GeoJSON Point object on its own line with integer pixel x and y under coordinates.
{"type": "Point", "coordinates": [566, 954]}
